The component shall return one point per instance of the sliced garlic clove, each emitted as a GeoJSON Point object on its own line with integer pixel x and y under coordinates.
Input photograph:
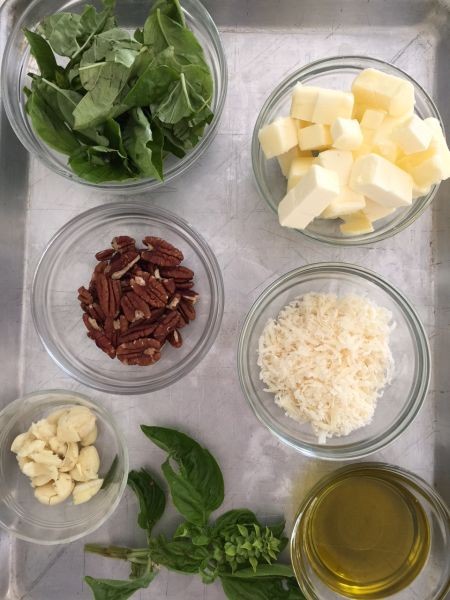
{"type": "Point", "coordinates": [23, 439]}
{"type": "Point", "coordinates": [70, 457]}
{"type": "Point", "coordinates": [31, 447]}
{"type": "Point", "coordinates": [43, 430]}
{"type": "Point", "coordinates": [56, 492]}
{"type": "Point", "coordinates": [46, 457]}
{"type": "Point", "coordinates": [89, 462]}
{"type": "Point", "coordinates": [57, 446]}
{"type": "Point", "coordinates": [83, 492]}
{"type": "Point", "coordinates": [90, 438]}
{"type": "Point", "coordinates": [56, 415]}
{"type": "Point", "coordinates": [33, 469]}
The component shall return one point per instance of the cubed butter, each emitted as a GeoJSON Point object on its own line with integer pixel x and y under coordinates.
{"type": "Point", "coordinates": [313, 193]}
{"type": "Point", "coordinates": [381, 181]}
{"type": "Point", "coordinates": [372, 118]}
{"type": "Point", "coordinates": [379, 90]}
{"type": "Point", "coordinates": [285, 160]}
{"type": "Point", "coordinates": [303, 101]}
{"type": "Point", "coordinates": [346, 203]}
{"type": "Point", "coordinates": [356, 224]}
{"type": "Point", "coordinates": [299, 167]}
{"type": "Point", "coordinates": [346, 134]}
{"type": "Point", "coordinates": [278, 137]}
{"type": "Point", "coordinates": [413, 135]}
{"type": "Point", "coordinates": [314, 137]}
{"type": "Point", "coordinates": [432, 171]}
{"type": "Point", "coordinates": [340, 161]}
{"type": "Point", "coordinates": [331, 105]}
{"type": "Point", "coordinates": [375, 212]}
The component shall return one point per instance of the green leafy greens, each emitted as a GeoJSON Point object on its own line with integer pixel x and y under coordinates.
{"type": "Point", "coordinates": [154, 85]}
{"type": "Point", "coordinates": [235, 549]}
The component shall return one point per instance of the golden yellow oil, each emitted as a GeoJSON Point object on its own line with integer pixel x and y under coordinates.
{"type": "Point", "coordinates": [366, 535]}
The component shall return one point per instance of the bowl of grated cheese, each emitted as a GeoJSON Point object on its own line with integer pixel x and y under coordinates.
{"type": "Point", "coordinates": [334, 360]}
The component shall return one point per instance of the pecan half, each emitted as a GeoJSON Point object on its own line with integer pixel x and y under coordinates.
{"type": "Point", "coordinates": [140, 305]}
{"type": "Point", "coordinates": [121, 263]}
{"type": "Point", "coordinates": [109, 293]}
{"type": "Point", "coordinates": [177, 273]}
{"type": "Point", "coordinates": [142, 330]}
{"type": "Point", "coordinates": [190, 296]}
{"type": "Point", "coordinates": [150, 290]}
{"type": "Point", "coordinates": [139, 352]}
{"type": "Point", "coordinates": [102, 342]}
{"type": "Point", "coordinates": [91, 323]}
{"type": "Point", "coordinates": [104, 254]}
{"type": "Point", "coordinates": [123, 243]}
{"type": "Point", "coordinates": [169, 284]}
{"type": "Point", "coordinates": [85, 296]}
{"type": "Point", "coordinates": [94, 310]}
{"type": "Point", "coordinates": [174, 338]}
{"type": "Point", "coordinates": [168, 323]}
{"type": "Point", "coordinates": [161, 253]}
{"type": "Point", "coordinates": [174, 301]}
{"type": "Point", "coordinates": [187, 310]}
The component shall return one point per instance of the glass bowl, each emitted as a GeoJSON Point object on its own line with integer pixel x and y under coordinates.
{"type": "Point", "coordinates": [401, 399]}
{"type": "Point", "coordinates": [17, 62]}
{"type": "Point", "coordinates": [24, 516]}
{"type": "Point", "coordinates": [68, 262]}
{"type": "Point", "coordinates": [335, 73]}
{"type": "Point", "coordinates": [433, 581]}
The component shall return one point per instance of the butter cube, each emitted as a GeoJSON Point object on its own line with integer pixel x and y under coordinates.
{"type": "Point", "coordinates": [340, 161]}
{"type": "Point", "coordinates": [331, 105]}
{"type": "Point", "coordinates": [285, 160]}
{"type": "Point", "coordinates": [278, 137]}
{"type": "Point", "coordinates": [299, 167]}
{"type": "Point", "coordinates": [303, 101]}
{"type": "Point", "coordinates": [374, 211]}
{"type": "Point", "coordinates": [314, 137]}
{"type": "Point", "coordinates": [413, 135]}
{"type": "Point", "coordinates": [379, 90]}
{"type": "Point", "coordinates": [356, 224]}
{"type": "Point", "coordinates": [432, 170]}
{"type": "Point", "coordinates": [372, 118]}
{"type": "Point", "coordinates": [346, 203]}
{"type": "Point", "coordinates": [346, 134]}
{"type": "Point", "coordinates": [381, 181]}
{"type": "Point", "coordinates": [313, 193]}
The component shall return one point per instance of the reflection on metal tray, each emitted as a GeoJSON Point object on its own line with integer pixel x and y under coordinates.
{"type": "Point", "coordinates": [264, 41]}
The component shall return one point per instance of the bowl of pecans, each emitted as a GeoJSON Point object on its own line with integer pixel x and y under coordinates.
{"type": "Point", "coordinates": [127, 298]}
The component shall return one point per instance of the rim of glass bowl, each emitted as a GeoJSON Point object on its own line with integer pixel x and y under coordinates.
{"type": "Point", "coordinates": [304, 74]}
{"type": "Point", "coordinates": [417, 396]}
{"type": "Point", "coordinates": [206, 255]}
{"type": "Point", "coordinates": [420, 485]}
{"type": "Point", "coordinates": [86, 401]}
{"type": "Point", "coordinates": [27, 137]}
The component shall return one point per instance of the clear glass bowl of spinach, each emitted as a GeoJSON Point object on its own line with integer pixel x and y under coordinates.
{"type": "Point", "coordinates": [121, 96]}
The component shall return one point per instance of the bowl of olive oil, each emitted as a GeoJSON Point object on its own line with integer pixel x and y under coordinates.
{"type": "Point", "coordinates": [372, 531]}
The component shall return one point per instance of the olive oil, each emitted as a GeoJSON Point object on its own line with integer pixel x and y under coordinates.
{"type": "Point", "coordinates": [365, 535]}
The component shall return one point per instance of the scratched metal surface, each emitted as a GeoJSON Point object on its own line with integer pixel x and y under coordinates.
{"type": "Point", "coordinates": [264, 41]}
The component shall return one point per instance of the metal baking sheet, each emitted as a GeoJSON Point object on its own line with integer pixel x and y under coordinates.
{"type": "Point", "coordinates": [264, 41]}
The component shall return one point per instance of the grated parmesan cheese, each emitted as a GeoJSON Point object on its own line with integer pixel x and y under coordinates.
{"type": "Point", "coordinates": [327, 360]}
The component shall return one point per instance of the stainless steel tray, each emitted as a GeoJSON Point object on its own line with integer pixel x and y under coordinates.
{"type": "Point", "coordinates": [264, 41]}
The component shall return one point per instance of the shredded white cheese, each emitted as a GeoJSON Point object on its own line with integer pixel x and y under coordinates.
{"type": "Point", "coordinates": [327, 360]}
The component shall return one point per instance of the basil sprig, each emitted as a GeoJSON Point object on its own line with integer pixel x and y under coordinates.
{"type": "Point", "coordinates": [236, 548]}
{"type": "Point", "coordinates": [153, 90]}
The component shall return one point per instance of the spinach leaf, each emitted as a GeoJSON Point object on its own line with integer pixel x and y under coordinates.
{"type": "Point", "coordinates": [98, 163]}
{"type": "Point", "coordinates": [97, 104]}
{"type": "Point", "coordinates": [170, 8]}
{"type": "Point", "coordinates": [49, 126]}
{"type": "Point", "coordinates": [43, 54]}
{"type": "Point", "coordinates": [263, 588]}
{"type": "Point", "coordinates": [151, 87]}
{"type": "Point", "coordinates": [144, 144]}
{"type": "Point", "coordinates": [61, 30]}
{"type": "Point", "coordinates": [197, 488]}
{"type": "Point", "coordinates": [182, 39]}
{"type": "Point", "coordinates": [152, 501]}
{"type": "Point", "coordinates": [115, 589]}
{"type": "Point", "coordinates": [179, 555]}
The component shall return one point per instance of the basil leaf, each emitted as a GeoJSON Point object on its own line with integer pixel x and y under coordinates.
{"type": "Point", "coordinates": [179, 555]}
{"type": "Point", "coordinates": [264, 588]}
{"type": "Point", "coordinates": [274, 570]}
{"type": "Point", "coordinates": [43, 54]}
{"type": "Point", "coordinates": [115, 589]}
{"type": "Point", "coordinates": [238, 516]}
{"type": "Point", "coordinates": [144, 144]}
{"type": "Point", "coordinates": [98, 164]}
{"type": "Point", "coordinates": [111, 473]}
{"type": "Point", "coordinates": [152, 500]}
{"type": "Point", "coordinates": [197, 488]}
{"type": "Point", "coordinates": [49, 126]}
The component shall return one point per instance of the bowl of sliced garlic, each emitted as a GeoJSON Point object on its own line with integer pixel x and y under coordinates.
{"type": "Point", "coordinates": [63, 466]}
{"type": "Point", "coordinates": [349, 150]}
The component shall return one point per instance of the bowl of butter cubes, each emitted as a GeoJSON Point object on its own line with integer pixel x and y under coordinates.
{"type": "Point", "coordinates": [349, 150]}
